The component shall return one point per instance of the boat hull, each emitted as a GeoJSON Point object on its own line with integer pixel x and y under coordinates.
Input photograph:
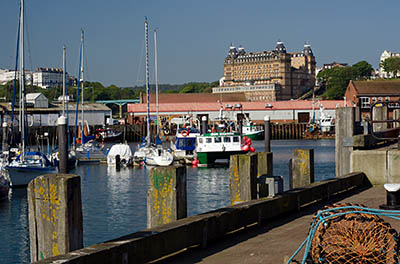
{"type": "Point", "coordinates": [259, 135]}
{"type": "Point", "coordinates": [21, 176]}
{"type": "Point", "coordinates": [208, 158]}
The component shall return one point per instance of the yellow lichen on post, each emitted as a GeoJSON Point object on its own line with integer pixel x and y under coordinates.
{"type": "Point", "coordinates": [166, 186]}
{"type": "Point", "coordinates": [55, 215]}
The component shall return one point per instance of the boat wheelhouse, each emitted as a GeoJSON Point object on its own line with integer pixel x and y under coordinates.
{"type": "Point", "coordinates": [220, 145]}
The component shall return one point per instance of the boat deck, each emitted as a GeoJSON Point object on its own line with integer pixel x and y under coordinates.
{"type": "Point", "coordinates": [277, 239]}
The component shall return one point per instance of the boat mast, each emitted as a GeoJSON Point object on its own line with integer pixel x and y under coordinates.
{"type": "Point", "coordinates": [156, 73]}
{"type": "Point", "coordinates": [82, 46]}
{"type": "Point", "coordinates": [22, 82]}
{"type": "Point", "coordinates": [146, 31]}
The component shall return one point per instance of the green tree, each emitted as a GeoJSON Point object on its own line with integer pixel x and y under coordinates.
{"type": "Point", "coordinates": [392, 65]}
{"type": "Point", "coordinates": [362, 69]}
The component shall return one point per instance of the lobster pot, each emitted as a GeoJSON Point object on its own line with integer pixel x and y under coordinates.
{"type": "Point", "coordinates": [353, 238]}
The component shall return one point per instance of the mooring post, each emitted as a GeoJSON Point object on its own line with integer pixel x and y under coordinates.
{"type": "Point", "coordinates": [264, 171]}
{"type": "Point", "coordinates": [344, 131]}
{"type": "Point", "coordinates": [166, 197]}
{"type": "Point", "coordinates": [62, 144]}
{"type": "Point", "coordinates": [5, 137]}
{"type": "Point", "coordinates": [379, 113]}
{"type": "Point", "coordinates": [204, 125]}
{"type": "Point", "coordinates": [267, 133]}
{"type": "Point", "coordinates": [302, 168]}
{"type": "Point", "coordinates": [55, 215]}
{"type": "Point", "coordinates": [243, 177]}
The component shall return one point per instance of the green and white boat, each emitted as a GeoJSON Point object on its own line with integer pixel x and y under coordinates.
{"type": "Point", "coordinates": [220, 145]}
{"type": "Point", "coordinates": [250, 130]}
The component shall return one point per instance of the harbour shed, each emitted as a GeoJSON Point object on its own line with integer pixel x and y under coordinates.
{"type": "Point", "coordinates": [300, 111]}
{"type": "Point", "coordinates": [95, 114]}
{"type": "Point", "coordinates": [37, 100]}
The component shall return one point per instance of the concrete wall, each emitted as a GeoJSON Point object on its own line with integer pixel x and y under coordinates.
{"type": "Point", "coordinates": [380, 166]}
{"type": "Point", "coordinates": [154, 243]}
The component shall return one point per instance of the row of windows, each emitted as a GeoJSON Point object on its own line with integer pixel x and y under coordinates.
{"type": "Point", "coordinates": [219, 139]}
{"type": "Point", "coordinates": [365, 102]}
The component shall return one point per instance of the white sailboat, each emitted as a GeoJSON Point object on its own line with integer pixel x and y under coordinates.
{"type": "Point", "coordinates": [88, 150]}
{"type": "Point", "coordinates": [150, 154]}
{"type": "Point", "coordinates": [27, 165]}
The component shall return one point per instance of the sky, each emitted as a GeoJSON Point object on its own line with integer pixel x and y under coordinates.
{"type": "Point", "coordinates": [193, 37]}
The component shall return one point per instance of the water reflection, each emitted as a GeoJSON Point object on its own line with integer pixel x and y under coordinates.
{"type": "Point", "coordinates": [114, 202]}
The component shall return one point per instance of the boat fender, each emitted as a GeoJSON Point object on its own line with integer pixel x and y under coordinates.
{"type": "Point", "coordinates": [185, 133]}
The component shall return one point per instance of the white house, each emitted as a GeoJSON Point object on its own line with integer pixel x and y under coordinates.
{"type": "Point", "coordinates": [386, 54]}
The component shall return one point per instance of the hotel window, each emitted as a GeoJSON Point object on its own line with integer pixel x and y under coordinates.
{"type": "Point", "coordinates": [364, 102]}
{"type": "Point", "coordinates": [373, 100]}
{"type": "Point", "coordinates": [380, 99]}
{"type": "Point", "coordinates": [387, 98]}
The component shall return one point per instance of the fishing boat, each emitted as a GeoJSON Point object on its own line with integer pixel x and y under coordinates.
{"type": "Point", "coordinates": [120, 153]}
{"type": "Point", "coordinates": [219, 145]}
{"type": "Point", "coordinates": [151, 154]}
{"type": "Point", "coordinates": [252, 131]}
{"type": "Point", "coordinates": [185, 143]}
{"type": "Point", "coordinates": [27, 165]}
{"type": "Point", "coordinates": [108, 135]}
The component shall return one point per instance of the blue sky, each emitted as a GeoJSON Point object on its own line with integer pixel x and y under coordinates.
{"type": "Point", "coordinates": [193, 36]}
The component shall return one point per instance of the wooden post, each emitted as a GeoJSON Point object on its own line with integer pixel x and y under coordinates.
{"type": "Point", "coordinates": [344, 131]}
{"type": "Point", "coordinates": [5, 137]}
{"type": "Point", "coordinates": [243, 177]}
{"type": "Point", "coordinates": [379, 114]}
{"type": "Point", "coordinates": [166, 197]}
{"type": "Point", "coordinates": [62, 144]}
{"type": "Point", "coordinates": [55, 215]}
{"type": "Point", "coordinates": [267, 133]}
{"type": "Point", "coordinates": [264, 170]}
{"type": "Point", "coordinates": [302, 168]}
{"type": "Point", "coordinates": [396, 116]}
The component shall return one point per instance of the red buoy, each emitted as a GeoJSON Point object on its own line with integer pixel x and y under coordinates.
{"type": "Point", "coordinates": [245, 148]}
{"type": "Point", "coordinates": [252, 149]}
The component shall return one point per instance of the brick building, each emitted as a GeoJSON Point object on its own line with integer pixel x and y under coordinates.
{"type": "Point", "coordinates": [269, 75]}
{"type": "Point", "coordinates": [365, 93]}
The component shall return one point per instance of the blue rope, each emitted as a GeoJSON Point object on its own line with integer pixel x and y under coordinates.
{"type": "Point", "coordinates": [394, 214]}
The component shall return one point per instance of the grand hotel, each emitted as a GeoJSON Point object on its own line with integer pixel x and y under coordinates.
{"type": "Point", "coordinates": [268, 75]}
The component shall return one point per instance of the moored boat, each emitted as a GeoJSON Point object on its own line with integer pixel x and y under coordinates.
{"type": "Point", "coordinates": [120, 153]}
{"type": "Point", "coordinates": [108, 135]}
{"type": "Point", "coordinates": [220, 145]}
{"type": "Point", "coordinates": [33, 164]}
{"type": "Point", "coordinates": [253, 132]}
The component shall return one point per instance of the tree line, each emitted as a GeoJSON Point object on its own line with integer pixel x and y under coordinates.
{"type": "Point", "coordinates": [336, 79]}
{"type": "Point", "coordinates": [94, 91]}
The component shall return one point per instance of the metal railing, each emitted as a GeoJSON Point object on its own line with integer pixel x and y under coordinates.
{"type": "Point", "coordinates": [386, 134]}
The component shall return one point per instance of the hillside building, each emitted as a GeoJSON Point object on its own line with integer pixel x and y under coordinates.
{"type": "Point", "coordinates": [268, 75]}
{"type": "Point", "coordinates": [386, 54]}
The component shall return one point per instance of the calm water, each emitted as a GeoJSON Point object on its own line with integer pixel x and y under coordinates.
{"type": "Point", "coordinates": [114, 203]}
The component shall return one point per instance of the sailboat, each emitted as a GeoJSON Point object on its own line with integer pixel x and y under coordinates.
{"type": "Point", "coordinates": [88, 150]}
{"type": "Point", "coordinates": [54, 157]}
{"type": "Point", "coordinates": [151, 154]}
{"type": "Point", "coordinates": [27, 165]}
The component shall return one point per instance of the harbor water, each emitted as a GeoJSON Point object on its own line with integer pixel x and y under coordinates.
{"type": "Point", "coordinates": [114, 203]}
